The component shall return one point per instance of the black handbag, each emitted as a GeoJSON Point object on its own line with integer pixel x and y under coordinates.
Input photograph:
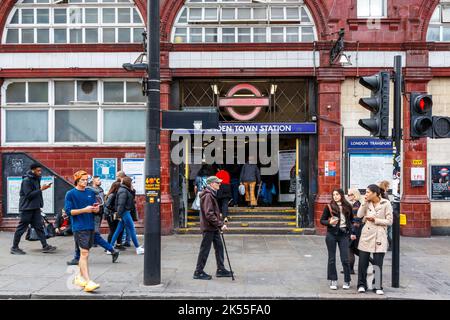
{"type": "Point", "coordinates": [49, 229]}
{"type": "Point", "coordinates": [31, 234]}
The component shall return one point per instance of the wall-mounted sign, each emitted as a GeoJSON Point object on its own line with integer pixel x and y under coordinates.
{"type": "Point", "coordinates": [417, 176]}
{"type": "Point", "coordinates": [330, 168]}
{"type": "Point", "coordinates": [135, 169]}
{"type": "Point", "coordinates": [233, 102]}
{"type": "Point", "coordinates": [258, 128]}
{"type": "Point", "coordinates": [440, 182]}
{"type": "Point", "coordinates": [106, 169]}
{"type": "Point", "coordinates": [286, 160]}
{"type": "Point", "coordinates": [13, 194]}
{"type": "Point", "coordinates": [365, 153]}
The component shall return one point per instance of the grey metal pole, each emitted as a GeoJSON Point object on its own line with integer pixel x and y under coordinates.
{"type": "Point", "coordinates": [397, 138]}
{"type": "Point", "coordinates": [152, 233]}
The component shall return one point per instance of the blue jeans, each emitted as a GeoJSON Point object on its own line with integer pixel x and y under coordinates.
{"type": "Point", "coordinates": [126, 237]}
{"type": "Point", "coordinates": [97, 240]}
{"type": "Point", "coordinates": [128, 224]}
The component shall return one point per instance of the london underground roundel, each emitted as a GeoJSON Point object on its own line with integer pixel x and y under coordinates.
{"type": "Point", "coordinates": [244, 96]}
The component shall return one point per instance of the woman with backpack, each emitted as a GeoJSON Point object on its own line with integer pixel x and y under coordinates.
{"type": "Point", "coordinates": [337, 216]}
{"type": "Point", "coordinates": [124, 204]}
{"type": "Point", "coordinates": [109, 211]}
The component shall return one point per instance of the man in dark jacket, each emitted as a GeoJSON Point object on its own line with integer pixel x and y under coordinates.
{"type": "Point", "coordinates": [30, 204]}
{"type": "Point", "coordinates": [250, 177]}
{"type": "Point", "coordinates": [210, 224]}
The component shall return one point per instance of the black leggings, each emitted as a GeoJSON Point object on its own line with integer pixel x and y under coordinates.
{"type": "Point", "coordinates": [112, 224]}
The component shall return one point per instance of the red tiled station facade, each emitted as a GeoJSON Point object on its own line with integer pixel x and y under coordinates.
{"type": "Point", "coordinates": [404, 30]}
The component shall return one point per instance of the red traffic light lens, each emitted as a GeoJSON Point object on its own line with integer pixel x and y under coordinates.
{"type": "Point", "coordinates": [423, 104]}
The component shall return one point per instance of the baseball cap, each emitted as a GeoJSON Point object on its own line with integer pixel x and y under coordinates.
{"type": "Point", "coordinates": [212, 179]}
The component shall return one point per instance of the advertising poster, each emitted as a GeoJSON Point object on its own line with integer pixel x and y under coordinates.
{"type": "Point", "coordinates": [286, 160]}
{"type": "Point", "coordinates": [135, 169]}
{"type": "Point", "coordinates": [13, 195]}
{"type": "Point", "coordinates": [440, 182]}
{"type": "Point", "coordinates": [106, 169]}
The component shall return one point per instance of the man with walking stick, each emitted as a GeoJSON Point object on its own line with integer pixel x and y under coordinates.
{"type": "Point", "coordinates": [211, 225]}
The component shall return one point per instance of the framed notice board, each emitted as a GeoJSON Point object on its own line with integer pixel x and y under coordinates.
{"type": "Point", "coordinates": [439, 182]}
{"type": "Point", "coordinates": [368, 161]}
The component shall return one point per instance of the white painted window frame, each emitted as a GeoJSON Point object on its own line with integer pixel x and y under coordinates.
{"type": "Point", "coordinates": [100, 107]}
{"type": "Point", "coordinates": [52, 26]}
{"type": "Point", "coordinates": [370, 16]}
{"type": "Point", "coordinates": [245, 23]}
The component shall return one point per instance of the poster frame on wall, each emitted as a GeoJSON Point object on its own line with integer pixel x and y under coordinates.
{"type": "Point", "coordinates": [137, 175]}
{"type": "Point", "coordinates": [366, 146]}
{"type": "Point", "coordinates": [49, 206]}
{"type": "Point", "coordinates": [284, 197]}
{"type": "Point", "coordinates": [106, 183]}
{"type": "Point", "coordinates": [430, 184]}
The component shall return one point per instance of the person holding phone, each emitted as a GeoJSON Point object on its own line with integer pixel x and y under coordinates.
{"type": "Point", "coordinates": [30, 204]}
{"type": "Point", "coordinates": [376, 213]}
{"type": "Point", "coordinates": [337, 216]}
{"type": "Point", "coordinates": [79, 205]}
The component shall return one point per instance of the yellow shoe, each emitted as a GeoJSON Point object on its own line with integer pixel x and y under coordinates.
{"type": "Point", "coordinates": [91, 286]}
{"type": "Point", "coordinates": [79, 281]}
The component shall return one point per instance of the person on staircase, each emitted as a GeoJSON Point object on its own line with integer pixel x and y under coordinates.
{"type": "Point", "coordinates": [250, 177]}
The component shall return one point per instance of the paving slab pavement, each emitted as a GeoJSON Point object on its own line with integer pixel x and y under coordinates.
{"type": "Point", "coordinates": [266, 267]}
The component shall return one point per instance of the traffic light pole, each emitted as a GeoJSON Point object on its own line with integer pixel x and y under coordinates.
{"type": "Point", "coordinates": [397, 139]}
{"type": "Point", "coordinates": [152, 233]}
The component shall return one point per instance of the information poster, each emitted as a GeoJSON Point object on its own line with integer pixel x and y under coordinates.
{"type": "Point", "coordinates": [135, 169]}
{"type": "Point", "coordinates": [440, 182]}
{"type": "Point", "coordinates": [366, 169]}
{"type": "Point", "coordinates": [286, 160]}
{"type": "Point", "coordinates": [106, 169]}
{"type": "Point", "coordinates": [13, 194]}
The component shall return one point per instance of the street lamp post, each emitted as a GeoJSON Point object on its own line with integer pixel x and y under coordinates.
{"type": "Point", "coordinates": [152, 233]}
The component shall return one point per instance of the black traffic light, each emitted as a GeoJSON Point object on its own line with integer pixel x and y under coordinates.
{"type": "Point", "coordinates": [421, 115]}
{"type": "Point", "coordinates": [441, 127]}
{"type": "Point", "coordinates": [377, 104]}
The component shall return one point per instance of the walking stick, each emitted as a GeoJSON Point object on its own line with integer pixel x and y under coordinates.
{"type": "Point", "coordinates": [226, 251]}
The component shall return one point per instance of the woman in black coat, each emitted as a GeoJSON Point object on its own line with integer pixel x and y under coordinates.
{"type": "Point", "coordinates": [124, 205]}
{"type": "Point", "coordinates": [337, 216]}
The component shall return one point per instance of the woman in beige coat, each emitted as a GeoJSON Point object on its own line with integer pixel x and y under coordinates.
{"type": "Point", "coordinates": [377, 216]}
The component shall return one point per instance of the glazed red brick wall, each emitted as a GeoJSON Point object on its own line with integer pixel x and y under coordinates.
{"type": "Point", "coordinates": [66, 161]}
{"type": "Point", "coordinates": [329, 137]}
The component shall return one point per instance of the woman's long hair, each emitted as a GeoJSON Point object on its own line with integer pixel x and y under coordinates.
{"type": "Point", "coordinates": [114, 188]}
{"type": "Point", "coordinates": [347, 208]}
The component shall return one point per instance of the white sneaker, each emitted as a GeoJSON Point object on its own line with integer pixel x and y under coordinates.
{"type": "Point", "coordinates": [333, 285]}
{"type": "Point", "coordinates": [108, 253]}
{"type": "Point", "coordinates": [346, 286]}
{"type": "Point", "coordinates": [139, 250]}
{"type": "Point", "coordinates": [380, 292]}
{"type": "Point", "coordinates": [361, 290]}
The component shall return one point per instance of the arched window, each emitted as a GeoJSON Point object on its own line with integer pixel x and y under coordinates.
{"type": "Point", "coordinates": [243, 21]}
{"type": "Point", "coordinates": [439, 28]}
{"type": "Point", "coordinates": [74, 21]}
